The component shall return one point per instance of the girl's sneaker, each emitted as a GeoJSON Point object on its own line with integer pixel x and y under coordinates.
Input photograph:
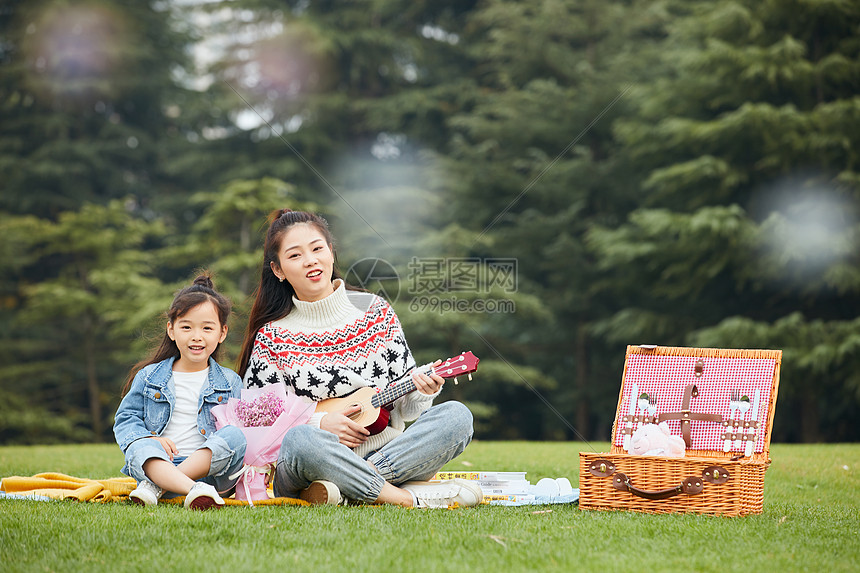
{"type": "Point", "coordinates": [446, 494]}
{"type": "Point", "coordinates": [203, 496]}
{"type": "Point", "coordinates": [146, 493]}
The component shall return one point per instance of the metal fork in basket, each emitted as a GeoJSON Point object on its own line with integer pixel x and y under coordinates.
{"type": "Point", "coordinates": [652, 406]}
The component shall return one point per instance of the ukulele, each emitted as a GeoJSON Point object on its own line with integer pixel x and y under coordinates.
{"type": "Point", "coordinates": [373, 415]}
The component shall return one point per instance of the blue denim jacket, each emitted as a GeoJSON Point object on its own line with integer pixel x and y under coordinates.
{"type": "Point", "coordinates": [146, 409]}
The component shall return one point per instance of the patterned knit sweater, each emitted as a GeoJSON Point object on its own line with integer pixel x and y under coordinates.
{"type": "Point", "coordinates": [332, 347]}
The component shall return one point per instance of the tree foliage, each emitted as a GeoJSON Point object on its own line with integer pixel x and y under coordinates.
{"type": "Point", "coordinates": [748, 217]}
{"type": "Point", "coordinates": [681, 173]}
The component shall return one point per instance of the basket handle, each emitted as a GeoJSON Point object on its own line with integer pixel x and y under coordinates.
{"type": "Point", "coordinates": [689, 486]}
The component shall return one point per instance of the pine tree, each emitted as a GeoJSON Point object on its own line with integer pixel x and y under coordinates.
{"type": "Point", "coordinates": [70, 336]}
{"type": "Point", "coordinates": [88, 101]}
{"type": "Point", "coordinates": [534, 165]}
{"type": "Point", "coordinates": [84, 90]}
{"type": "Point", "coordinates": [748, 216]}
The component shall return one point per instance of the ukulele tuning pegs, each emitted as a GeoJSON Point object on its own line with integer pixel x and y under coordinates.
{"type": "Point", "coordinates": [470, 376]}
{"type": "Point", "coordinates": [455, 380]}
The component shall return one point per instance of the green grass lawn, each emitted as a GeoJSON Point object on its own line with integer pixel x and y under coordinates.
{"type": "Point", "coordinates": [811, 522]}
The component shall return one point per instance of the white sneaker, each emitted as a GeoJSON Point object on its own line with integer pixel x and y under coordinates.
{"type": "Point", "coordinates": [146, 493]}
{"type": "Point", "coordinates": [321, 492]}
{"type": "Point", "coordinates": [450, 493]}
{"type": "Point", "coordinates": [203, 496]}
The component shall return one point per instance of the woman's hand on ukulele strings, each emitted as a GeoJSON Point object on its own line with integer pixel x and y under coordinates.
{"type": "Point", "coordinates": [428, 384]}
{"type": "Point", "coordinates": [168, 445]}
{"type": "Point", "coordinates": [348, 433]}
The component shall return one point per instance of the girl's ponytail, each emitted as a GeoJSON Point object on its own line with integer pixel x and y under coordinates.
{"type": "Point", "coordinates": [205, 281]}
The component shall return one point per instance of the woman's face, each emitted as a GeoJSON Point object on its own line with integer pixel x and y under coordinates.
{"type": "Point", "coordinates": [305, 260]}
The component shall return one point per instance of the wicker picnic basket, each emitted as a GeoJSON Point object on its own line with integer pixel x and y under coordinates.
{"type": "Point", "coordinates": [704, 395]}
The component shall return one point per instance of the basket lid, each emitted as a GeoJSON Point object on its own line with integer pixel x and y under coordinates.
{"type": "Point", "coordinates": [704, 393]}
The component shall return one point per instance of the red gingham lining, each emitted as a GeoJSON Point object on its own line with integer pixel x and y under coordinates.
{"type": "Point", "coordinates": [665, 377]}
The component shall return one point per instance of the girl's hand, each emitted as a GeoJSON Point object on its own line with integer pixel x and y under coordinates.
{"type": "Point", "coordinates": [168, 446]}
{"type": "Point", "coordinates": [428, 384]}
{"type": "Point", "coordinates": [348, 433]}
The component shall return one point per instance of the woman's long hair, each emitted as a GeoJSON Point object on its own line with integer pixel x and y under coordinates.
{"type": "Point", "coordinates": [200, 291]}
{"type": "Point", "coordinates": [273, 299]}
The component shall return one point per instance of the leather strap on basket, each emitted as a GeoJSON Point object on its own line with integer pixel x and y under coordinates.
{"type": "Point", "coordinates": [686, 416]}
{"type": "Point", "coordinates": [689, 486]}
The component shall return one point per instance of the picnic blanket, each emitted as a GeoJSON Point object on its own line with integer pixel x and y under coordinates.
{"type": "Point", "coordinates": [61, 486]}
{"type": "Point", "coordinates": [57, 486]}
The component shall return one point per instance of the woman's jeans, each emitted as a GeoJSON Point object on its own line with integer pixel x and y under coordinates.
{"type": "Point", "coordinates": [228, 452]}
{"type": "Point", "coordinates": [440, 434]}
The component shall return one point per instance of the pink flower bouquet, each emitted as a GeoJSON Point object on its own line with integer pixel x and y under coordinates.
{"type": "Point", "coordinates": [264, 415]}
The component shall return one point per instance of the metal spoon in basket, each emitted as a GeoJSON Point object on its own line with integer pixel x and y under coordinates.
{"type": "Point", "coordinates": [643, 403]}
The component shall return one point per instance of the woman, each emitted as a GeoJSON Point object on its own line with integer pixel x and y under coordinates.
{"type": "Point", "coordinates": [307, 331]}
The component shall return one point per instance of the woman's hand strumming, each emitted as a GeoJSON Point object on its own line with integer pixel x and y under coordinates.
{"type": "Point", "coordinates": [348, 433]}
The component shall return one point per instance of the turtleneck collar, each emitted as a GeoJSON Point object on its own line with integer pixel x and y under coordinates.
{"type": "Point", "coordinates": [331, 311]}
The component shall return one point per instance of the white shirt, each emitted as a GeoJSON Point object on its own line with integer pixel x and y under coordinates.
{"type": "Point", "coordinates": [182, 426]}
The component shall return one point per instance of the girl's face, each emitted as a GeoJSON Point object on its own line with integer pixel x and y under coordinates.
{"type": "Point", "coordinates": [197, 333]}
{"type": "Point", "coordinates": [306, 261]}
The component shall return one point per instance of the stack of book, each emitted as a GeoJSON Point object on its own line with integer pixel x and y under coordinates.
{"type": "Point", "coordinates": [497, 487]}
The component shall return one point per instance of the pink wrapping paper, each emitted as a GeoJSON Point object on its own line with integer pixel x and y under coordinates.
{"type": "Point", "coordinates": [261, 453]}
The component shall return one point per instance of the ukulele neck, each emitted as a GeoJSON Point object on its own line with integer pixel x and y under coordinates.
{"type": "Point", "coordinates": [391, 393]}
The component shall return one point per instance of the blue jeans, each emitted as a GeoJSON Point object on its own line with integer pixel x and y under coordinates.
{"type": "Point", "coordinates": [228, 453]}
{"type": "Point", "coordinates": [439, 435]}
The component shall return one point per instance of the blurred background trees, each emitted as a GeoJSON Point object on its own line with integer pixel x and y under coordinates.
{"type": "Point", "coordinates": [679, 173]}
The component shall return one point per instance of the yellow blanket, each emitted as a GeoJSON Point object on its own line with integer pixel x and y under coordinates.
{"type": "Point", "coordinates": [62, 486]}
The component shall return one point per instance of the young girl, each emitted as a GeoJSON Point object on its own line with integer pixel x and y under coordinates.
{"type": "Point", "coordinates": [164, 423]}
{"type": "Point", "coordinates": [308, 332]}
